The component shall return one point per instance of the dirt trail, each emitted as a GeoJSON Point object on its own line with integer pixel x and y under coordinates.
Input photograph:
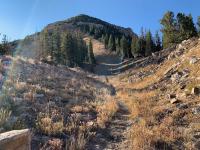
{"type": "Point", "coordinates": [106, 60]}
{"type": "Point", "coordinates": [114, 135]}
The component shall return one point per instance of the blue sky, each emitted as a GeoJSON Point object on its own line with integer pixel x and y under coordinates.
{"type": "Point", "coordinates": [19, 18]}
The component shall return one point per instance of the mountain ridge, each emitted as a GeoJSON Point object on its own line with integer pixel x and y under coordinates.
{"type": "Point", "coordinates": [89, 19]}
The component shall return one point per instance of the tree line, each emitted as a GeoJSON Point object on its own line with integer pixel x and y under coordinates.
{"type": "Point", "coordinates": [174, 30]}
{"type": "Point", "coordinates": [125, 45]}
{"type": "Point", "coordinates": [66, 48]}
{"type": "Point", "coordinates": [4, 45]}
{"type": "Point", "coordinates": [179, 28]}
{"type": "Point", "coordinates": [142, 45]}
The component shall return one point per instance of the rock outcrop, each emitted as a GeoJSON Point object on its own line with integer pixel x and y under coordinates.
{"type": "Point", "coordinates": [15, 140]}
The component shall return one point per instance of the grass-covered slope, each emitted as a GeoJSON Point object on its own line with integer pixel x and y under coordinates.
{"type": "Point", "coordinates": [163, 98]}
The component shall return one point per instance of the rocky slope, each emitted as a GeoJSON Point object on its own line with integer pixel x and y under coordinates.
{"type": "Point", "coordinates": [162, 94]}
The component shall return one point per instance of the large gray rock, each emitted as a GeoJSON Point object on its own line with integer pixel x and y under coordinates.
{"type": "Point", "coordinates": [15, 140]}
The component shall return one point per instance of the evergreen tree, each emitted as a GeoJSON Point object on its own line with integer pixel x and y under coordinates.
{"type": "Point", "coordinates": [149, 44]}
{"type": "Point", "coordinates": [56, 41]}
{"type": "Point", "coordinates": [185, 27]}
{"type": "Point", "coordinates": [111, 43]}
{"type": "Point", "coordinates": [198, 25]}
{"type": "Point", "coordinates": [102, 38]}
{"type": "Point", "coordinates": [45, 37]}
{"type": "Point", "coordinates": [66, 50]}
{"type": "Point", "coordinates": [138, 47]}
{"type": "Point", "coordinates": [169, 30]}
{"type": "Point", "coordinates": [142, 42]}
{"type": "Point", "coordinates": [91, 54]}
{"type": "Point", "coordinates": [124, 47]}
{"type": "Point", "coordinates": [134, 49]}
{"type": "Point", "coordinates": [117, 43]}
{"type": "Point", "coordinates": [158, 44]}
{"type": "Point", "coordinates": [106, 41]}
{"type": "Point", "coordinates": [177, 30]}
{"type": "Point", "coordinates": [5, 45]}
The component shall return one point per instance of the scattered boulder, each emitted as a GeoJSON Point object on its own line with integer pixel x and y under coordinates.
{"type": "Point", "coordinates": [182, 86]}
{"type": "Point", "coordinates": [185, 73]}
{"type": "Point", "coordinates": [175, 77]}
{"type": "Point", "coordinates": [196, 110]}
{"type": "Point", "coordinates": [171, 96]}
{"type": "Point", "coordinates": [171, 70]}
{"type": "Point", "coordinates": [90, 123]}
{"type": "Point", "coordinates": [195, 91]}
{"type": "Point", "coordinates": [182, 106]}
{"type": "Point", "coordinates": [194, 60]}
{"type": "Point", "coordinates": [174, 100]}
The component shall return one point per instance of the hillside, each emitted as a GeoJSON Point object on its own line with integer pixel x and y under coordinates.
{"type": "Point", "coordinates": [82, 26]}
{"type": "Point", "coordinates": [162, 95]}
{"type": "Point", "coordinates": [147, 103]}
{"type": "Point", "coordinates": [58, 103]}
{"type": "Point", "coordinates": [87, 23]}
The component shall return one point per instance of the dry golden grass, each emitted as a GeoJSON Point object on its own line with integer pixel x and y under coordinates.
{"type": "Point", "coordinates": [146, 132]}
{"type": "Point", "coordinates": [141, 137]}
{"type": "Point", "coordinates": [79, 134]}
{"type": "Point", "coordinates": [47, 126]}
{"type": "Point", "coordinates": [4, 116]}
{"type": "Point", "coordinates": [106, 111]}
{"type": "Point", "coordinates": [149, 80]}
{"type": "Point", "coordinates": [138, 103]}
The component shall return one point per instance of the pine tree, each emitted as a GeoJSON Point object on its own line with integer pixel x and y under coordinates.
{"type": "Point", "coordinates": [149, 44]}
{"type": "Point", "coordinates": [198, 25]}
{"type": "Point", "coordinates": [138, 47]}
{"type": "Point", "coordinates": [134, 49]}
{"type": "Point", "coordinates": [169, 30]}
{"type": "Point", "coordinates": [45, 37]}
{"type": "Point", "coordinates": [66, 50]}
{"type": "Point", "coordinates": [4, 45]}
{"type": "Point", "coordinates": [102, 38]}
{"type": "Point", "coordinates": [124, 47]}
{"type": "Point", "coordinates": [158, 44]}
{"type": "Point", "coordinates": [56, 46]}
{"type": "Point", "coordinates": [106, 41]}
{"type": "Point", "coordinates": [142, 42]}
{"type": "Point", "coordinates": [185, 27]}
{"type": "Point", "coordinates": [177, 30]}
{"type": "Point", "coordinates": [111, 43]}
{"type": "Point", "coordinates": [117, 43]}
{"type": "Point", "coordinates": [91, 54]}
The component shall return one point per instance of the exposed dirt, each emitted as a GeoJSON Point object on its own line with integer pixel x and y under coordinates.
{"type": "Point", "coordinates": [113, 135]}
{"type": "Point", "coordinates": [106, 60]}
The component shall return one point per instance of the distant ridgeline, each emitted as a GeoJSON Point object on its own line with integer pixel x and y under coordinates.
{"type": "Point", "coordinates": [115, 38]}
{"type": "Point", "coordinates": [63, 40]}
